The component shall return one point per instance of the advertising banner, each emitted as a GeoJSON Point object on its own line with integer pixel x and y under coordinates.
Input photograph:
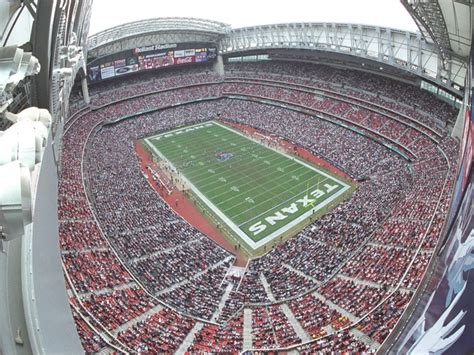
{"type": "Point", "coordinates": [107, 70]}
{"type": "Point", "coordinates": [94, 73]}
{"type": "Point", "coordinates": [184, 60]}
{"type": "Point", "coordinates": [127, 69]}
{"type": "Point", "coordinates": [446, 324]}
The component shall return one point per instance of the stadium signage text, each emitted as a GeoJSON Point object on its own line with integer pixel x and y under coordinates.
{"type": "Point", "coordinates": [305, 202]}
{"type": "Point", "coordinates": [183, 60]}
{"type": "Point", "coordinates": [155, 47]}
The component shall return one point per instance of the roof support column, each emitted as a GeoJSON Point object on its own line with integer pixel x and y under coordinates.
{"type": "Point", "coordinates": [85, 91]}
{"type": "Point", "coordinates": [458, 126]}
{"type": "Point", "coordinates": [219, 65]}
{"type": "Point", "coordinates": [41, 41]}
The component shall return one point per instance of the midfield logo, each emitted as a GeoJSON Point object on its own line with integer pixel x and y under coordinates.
{"type": "Point", "coordinates": [306, 202]}
{"type": "Point", "coordinates": [223, 156]}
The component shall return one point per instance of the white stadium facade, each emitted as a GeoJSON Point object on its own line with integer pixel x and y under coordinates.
{"type": "Point", "coordinates": [93, 260]}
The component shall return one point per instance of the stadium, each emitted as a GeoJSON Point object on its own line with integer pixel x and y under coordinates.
{"type": "Point", "coordinates": [180, 185]}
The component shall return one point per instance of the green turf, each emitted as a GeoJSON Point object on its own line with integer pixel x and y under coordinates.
{"type": "Point", "coordinates": [257, 191]}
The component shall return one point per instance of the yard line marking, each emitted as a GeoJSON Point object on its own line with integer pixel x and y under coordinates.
{"type": "Point", "coordinates": [267, 192]}
{"type": "Point", "coordinates": [244, 177]}
{"type": "Point", "coordinates": [257, 186]}
{"type": "Point", "coordinates": [236, 162]}
{"type": "Point", "coordinates": [291, 198]}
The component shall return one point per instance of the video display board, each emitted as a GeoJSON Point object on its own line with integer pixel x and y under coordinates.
{"type": "Point", "coordinates": [148, 58]}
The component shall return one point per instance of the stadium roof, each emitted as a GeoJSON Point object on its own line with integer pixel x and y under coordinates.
{"type": "Point", "coordinates": [141, 27]}
{"type": "Point", "coordinates": [446, 23]}
{"type": "Point", "coordinates": [405, 50]}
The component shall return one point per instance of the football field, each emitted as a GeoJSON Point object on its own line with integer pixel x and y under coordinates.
{"type": "Point", "coordinates": [258, 192]}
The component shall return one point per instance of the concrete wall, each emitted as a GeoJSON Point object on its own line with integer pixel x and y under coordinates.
{"type": "Point", "coordinates": [50, 324]}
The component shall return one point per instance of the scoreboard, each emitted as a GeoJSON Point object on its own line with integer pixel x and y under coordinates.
{"type": "Point", "coordinates": [147, 58]}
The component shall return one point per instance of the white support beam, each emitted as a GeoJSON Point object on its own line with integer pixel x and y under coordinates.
{"type": "Point", "coordinates": [403, 50]}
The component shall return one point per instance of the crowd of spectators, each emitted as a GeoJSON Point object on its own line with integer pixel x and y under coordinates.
{"type": "Point", "coordinates": [161, 333]}
{"type": "Point", "coordinates": [115, 308]}
{"type": "Point", "coordinates": [388, 93]}
{"type": "Point", "coordinates": [232, 306]}
{"type": "Point", "coordinates": [379, 323]}
{"type": "Point", "coordinates": [356, 298]}
{"type": "Point", "coordinates": [94, 270]}
{"type": "Point", "coordinates": [263, 334]}
{"type": "Point", "coordinates": [377, 125]}
{"type": "Point", "coordinates": [173, 251]}
{"type": "Point", "coordinates": [91, 341]}
{"type": "Point", "coordinates": [284, 333]}
{"type": "Point", "coordinates": [289, 124]}
{"type": "Point", "coordinates": [224, 338]}
{"type": "Point", "coordinates": [165, 269]}
{"type": "Point", "coordinates": [201, 296]}
{"type": "Point", "coordinates": [372, 236]}
{"type": "Point", "coordinates": [80, 235]}
{"type": "Point", "coordinates": [385, 266]}
{"type": "Point", "coordinates": [142, 84]}
{"type": "Point", "coordinates": [316, 317]}
{"type": "Point", "coordinates": [342, 342]}
{"type": "Point", "coordinates": [400, 232]}
{"type": "Point", "coordinates": [105, 287]}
